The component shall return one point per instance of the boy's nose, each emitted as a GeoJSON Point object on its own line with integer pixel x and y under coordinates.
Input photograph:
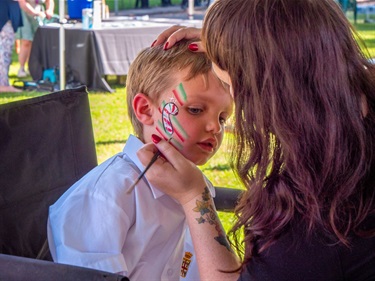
{"type": "Point", "coordinates": [214, 126]}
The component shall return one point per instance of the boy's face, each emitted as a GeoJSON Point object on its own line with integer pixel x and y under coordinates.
{"type": "Point", "coordinates": [193, 114]}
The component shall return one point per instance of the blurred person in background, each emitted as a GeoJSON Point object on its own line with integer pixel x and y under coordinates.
{"type": "Point", "coordinates": [10, 20]}
{"type": "Point", "coordinates": [33, 13]}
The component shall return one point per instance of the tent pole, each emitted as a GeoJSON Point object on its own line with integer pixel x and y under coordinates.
{"type": "Point", "coordinates": [191, 9]}
{"type": "Point", "coordinates": [62, 45]}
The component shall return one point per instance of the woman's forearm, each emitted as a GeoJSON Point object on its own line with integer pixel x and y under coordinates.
{"type": "Point", "coordinates": [50, 7]}
{"type": "Point", "coordinates": [27, 8]}
{"type": "Point", "coordinates": [213, 252]}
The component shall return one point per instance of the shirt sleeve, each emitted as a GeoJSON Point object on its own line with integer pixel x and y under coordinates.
{"type": "Point", "coordinates": [88, 227]}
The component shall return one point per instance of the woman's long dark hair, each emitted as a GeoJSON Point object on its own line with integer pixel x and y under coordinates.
{"type": "Point", "coordinates": [304, 116]}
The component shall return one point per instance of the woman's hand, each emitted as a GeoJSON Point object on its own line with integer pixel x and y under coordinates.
{"type": "Point", "coordinates": [49, 14]}
{"type": "Point", "coordinates": [170, 36]}
{"type": "Point", "coordinates": [173, 173]}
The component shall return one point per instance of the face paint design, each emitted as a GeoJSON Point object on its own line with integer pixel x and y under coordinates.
{"type": "Point", "coordinates": [170, 124]}
{"type": "Point", "coordinates": [169, 109]}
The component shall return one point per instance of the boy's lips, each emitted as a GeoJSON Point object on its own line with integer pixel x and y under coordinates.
{"type": "Point", "coordinates": [208, 145]}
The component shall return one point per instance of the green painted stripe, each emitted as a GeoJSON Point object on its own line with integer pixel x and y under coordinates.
{"type": "Point", "coordinates": [180, 129]}
{"type": "Point", "coordinates": [180, 89]}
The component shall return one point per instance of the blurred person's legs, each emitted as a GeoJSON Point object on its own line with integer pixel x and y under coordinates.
{"type": "Point", "coordinates": [7, 38]}
{"type": "Point", "coordinates": [166, 3]}
{"type": "Point", "coordinates": [17, 46]}
{"type": "Point", "coordinates": [144, 3]}
{"type": "Point", "coordinates": [26, 35]}
{"type": "Point", "coordinates": [23, 56]}
{"type": "Point", "coordinates": [344, 5]}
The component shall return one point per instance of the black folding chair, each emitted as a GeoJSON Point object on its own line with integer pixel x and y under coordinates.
{"type": "Point", "coordinates": [46, 144]}
{"type": "Point", "coordinates": [13, 268]}
{"type": "Point", "coordinates": [226, 198]}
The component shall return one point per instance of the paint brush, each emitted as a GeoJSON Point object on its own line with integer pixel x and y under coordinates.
{"type": "Point", "coordinates": [152, 161]}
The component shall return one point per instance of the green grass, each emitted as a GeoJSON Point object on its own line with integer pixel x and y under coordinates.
{"type": "Point", "coordinates": [111, 124]}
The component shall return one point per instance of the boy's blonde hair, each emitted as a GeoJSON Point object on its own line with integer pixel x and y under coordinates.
{"type": "Point", "coordinates": [155, 69]}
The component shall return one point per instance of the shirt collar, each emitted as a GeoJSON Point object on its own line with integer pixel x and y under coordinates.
{"type": "Point", "coordinates": [133, 144]}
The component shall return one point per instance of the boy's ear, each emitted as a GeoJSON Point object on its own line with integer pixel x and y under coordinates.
{"type": "Point", "coordinates": [143, 109]}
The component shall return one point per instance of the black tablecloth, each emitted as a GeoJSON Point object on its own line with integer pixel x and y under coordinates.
{"type": "Point", "coordinates": [92, 54]}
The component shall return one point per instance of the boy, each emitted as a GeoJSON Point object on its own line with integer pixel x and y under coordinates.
{"type": "Point", "coordinates": [143, 235]}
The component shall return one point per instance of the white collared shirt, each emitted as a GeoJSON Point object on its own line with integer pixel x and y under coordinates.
{"type": "Point", "coordinates": [142, 235]}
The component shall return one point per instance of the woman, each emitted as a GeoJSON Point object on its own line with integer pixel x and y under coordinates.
{"type": "Point", "coordinates": [305, 144]}
{"type": "Point", "coordinates": [10, 20]}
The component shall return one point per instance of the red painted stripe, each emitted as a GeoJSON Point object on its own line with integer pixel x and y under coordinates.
{"type": "Point", "coordinates": [179, 135]}
{"type": "Point", "coordinates": [162, 133]}
{"type": "Point", "coordinates": [177, 97]}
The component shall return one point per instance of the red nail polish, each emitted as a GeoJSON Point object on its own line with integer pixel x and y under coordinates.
{"type": "Point", "coordinates": [155, 138]}
{"type": "Point", "coordinates": [153, 43]}
{"type": "Point", "coordinates": [166, 45]}
{"type": "Point", "coordinates": [193, 47]}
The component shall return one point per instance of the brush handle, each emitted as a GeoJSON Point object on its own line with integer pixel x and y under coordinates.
{"type": "Point", "coordinates": [152, 161]}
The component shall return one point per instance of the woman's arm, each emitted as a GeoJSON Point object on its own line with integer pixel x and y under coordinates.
{"type": "Point", "coordinates": [170, 36]}
{"type": "Point", "coordinates": [213, 251]}
{"type": "Point", "coordinates": [27, 8]}
{"type": "Point", "coordinates": [50, 7]}
{"type": "Point", "coordinates": [186, 184]}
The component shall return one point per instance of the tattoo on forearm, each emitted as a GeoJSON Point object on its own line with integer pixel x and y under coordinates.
{"type": "Point", "coordinates": [209, 215]}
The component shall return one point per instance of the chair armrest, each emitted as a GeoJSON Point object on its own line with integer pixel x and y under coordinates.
{"type": "Point", "coordinates": [14, 268]}
{"type": "Point", "coordinates": [226, 198]}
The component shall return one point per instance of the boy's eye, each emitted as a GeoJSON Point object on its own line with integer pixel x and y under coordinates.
{"type": "Point", "coordinates": [194, 110]}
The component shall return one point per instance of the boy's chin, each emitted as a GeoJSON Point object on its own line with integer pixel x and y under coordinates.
{"type": "Point", "coordinates": [201, 161]}
{"type": "Point", "coordinates": [198, 159]}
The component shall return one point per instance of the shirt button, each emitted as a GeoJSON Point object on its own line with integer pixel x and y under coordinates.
{"type": "Point", "coordinates": [170, 272]}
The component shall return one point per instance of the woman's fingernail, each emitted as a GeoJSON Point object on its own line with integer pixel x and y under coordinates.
{"type": "Point", "coordinates": [153, 43]}
{"type": "Point", "coordinates": [166, 46]}
{"type": "Point", "coordinates": [193, 47]}
{"type": "Point", "coordinates": [155, 138]}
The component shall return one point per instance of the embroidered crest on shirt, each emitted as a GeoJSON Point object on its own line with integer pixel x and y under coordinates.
{"type": "Point", "coordinates": [186, 260]}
